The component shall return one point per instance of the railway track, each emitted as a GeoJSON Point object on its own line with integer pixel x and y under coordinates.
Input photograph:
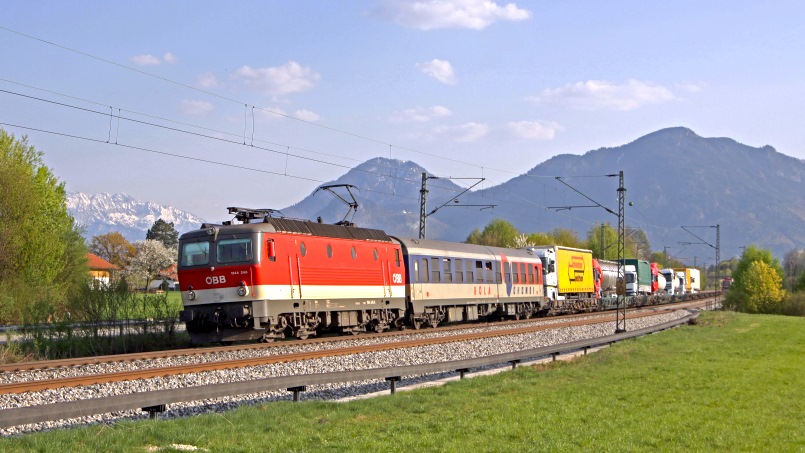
{"type": "Point", "coordinates": [148, 371]}
{"type": "Point", "coordinates": [167, 354]}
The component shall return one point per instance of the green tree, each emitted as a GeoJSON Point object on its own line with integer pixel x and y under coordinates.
{"type": "Point", "coordinates": [498, 233]}
{"type": "Point", "coordinates": [763, 289]}
{"type": "Point", "coordinates": [602, 239]}
{"type": "Point", "coordinates": [799, 285]}
{"type": "Point", "coordinates": [541, 239]}
{"type": "Point", "coordinates": [112, 247]}
{"type": "Point", "coordinates": [163, 232]}
{"type": "Point", "coordinates": [744, 283]}
{"type": "Point", "coordinates": [567, 238]}
{"type": "Point", "coordinates": [42, 254]}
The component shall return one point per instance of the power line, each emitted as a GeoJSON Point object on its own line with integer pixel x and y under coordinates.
{"type": "Point", "coordinates": [210, 93]}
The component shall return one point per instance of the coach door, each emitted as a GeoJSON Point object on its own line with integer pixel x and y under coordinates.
{"type": "Point", "coordinates": [387, 272]}
{"type": "Point", "coordinates": [295, 268]}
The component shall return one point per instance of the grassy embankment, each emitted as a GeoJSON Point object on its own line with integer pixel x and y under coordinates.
{"type": "Point", "coordinates": [731, 383]}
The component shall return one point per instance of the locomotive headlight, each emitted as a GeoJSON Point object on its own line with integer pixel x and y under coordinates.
{"type": "Point", "coordinates": [191, 295]}
{"type": "Point", "coordinates": [243, 290]}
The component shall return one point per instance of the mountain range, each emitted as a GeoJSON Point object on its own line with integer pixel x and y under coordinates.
{"type": "Point", "coordinates": [673, 179]}
{"type": "Point", "coordinates": [105, 213]}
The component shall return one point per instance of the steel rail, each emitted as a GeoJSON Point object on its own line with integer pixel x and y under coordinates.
{"type": "Point", "coordinates": [137, 356]}
{"type": "Point", "coordinates": [149, 373]}
{"type": "Point", "coordinates": [74, 409]}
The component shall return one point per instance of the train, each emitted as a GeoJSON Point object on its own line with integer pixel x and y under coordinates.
{"type": "Point", "coordinates": [261, 277]}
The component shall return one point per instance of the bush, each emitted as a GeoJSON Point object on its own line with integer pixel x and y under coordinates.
{"type": "Point", "coordinates": [103, 320]}
{"type": "Point", "coordinates": [794, 304]}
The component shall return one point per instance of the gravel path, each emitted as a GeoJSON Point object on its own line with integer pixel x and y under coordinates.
{"type": "Point", "coordinates": [397, 357]}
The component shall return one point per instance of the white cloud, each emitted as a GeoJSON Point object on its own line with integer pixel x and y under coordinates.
{"type": "Point", "coordinates": [468, 132]}
{"type": "Point", "coordinates": [421, 114]}
{"type": "Point", "coordinates": [207, 80]}
{"type": "Point", "coordinates": [146, 60]}
{"type": "Point", "coordinates": [196, 107]}
{"type": "Point", "coordinates": [435, 14]}
{"type": "Point", "coordinates": [306, 115]}
{"type": "Point", "coordinates": [279, 80]}
{"type": "Point", "coordinates": [598, 95]}
{"type": "Point", "coordinates": [534, 130]}
{"type": "Point", "coordinates": [151, 60]}
{"type": "Point", "coordinates": [440, 70]}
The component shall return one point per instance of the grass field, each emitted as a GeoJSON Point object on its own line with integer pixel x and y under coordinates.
{"type": "Point", "coordinates": [730, 383]}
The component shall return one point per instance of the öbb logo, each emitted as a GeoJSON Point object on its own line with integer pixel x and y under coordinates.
{"type": "Point", "coordinates": [216, 280]}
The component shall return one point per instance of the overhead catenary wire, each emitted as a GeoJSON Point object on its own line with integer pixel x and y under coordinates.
{"type": "Point", "coordinates": [287, 153]}
{"type": "Point", "coordinates": [239, 102]}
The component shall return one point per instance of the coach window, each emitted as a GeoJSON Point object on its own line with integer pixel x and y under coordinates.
{"type": "Point", "coordinates": [354, 253]}
{"type": "Point", "coordinates": [424, 270]}
{"type": "Point", "coordinates": [416, 271]}
{"type": "Point", "coordinates": [447, 269]}
{"type": "Point", "coordinates": [531, 270]}
{"type": "Point", "coordinates": [329, 251]}
{"type": "Point", "coordinates": [459, 270]}
{"type": "Point", "coordinates": [488, 275]}
{"type": "Point", "coordinates": [522, 273]}
{"type": "Point", "coordinates": [507, 275]}
{"type": "Point", "coordinates": [479, 271]}
{"type": "Point", "coordinates": [302, 249]}
{"type": "Point", "coordinates": [434, 270]}
{"type": "Point", "coordinates": [376, 255]}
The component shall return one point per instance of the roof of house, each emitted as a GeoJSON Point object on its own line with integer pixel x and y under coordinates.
{"type": "Point", "coordinates": [98, 263]}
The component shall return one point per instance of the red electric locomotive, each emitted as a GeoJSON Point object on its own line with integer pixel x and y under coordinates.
{"type": "Point", "coordinates": [268, 277]}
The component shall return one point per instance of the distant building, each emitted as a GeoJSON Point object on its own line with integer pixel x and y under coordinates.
{"type": "Point", "coordinates": [101, 270]}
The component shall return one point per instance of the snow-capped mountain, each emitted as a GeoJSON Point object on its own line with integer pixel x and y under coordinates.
{"type": "Point", "coordinates": [105, 213]}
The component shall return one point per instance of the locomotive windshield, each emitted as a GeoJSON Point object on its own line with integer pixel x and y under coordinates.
{"type": "Point", "coordinates": [234, 250]}
{"type": "Point", "coordinates": [195, 253]}
{"type": "Point", "coordinates": [224, 251]}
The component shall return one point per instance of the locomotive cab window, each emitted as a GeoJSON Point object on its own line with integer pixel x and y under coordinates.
{"type": "Point", "coordinates": [234, 250]}
{"type": "Point", "coordinates": [195, 253]}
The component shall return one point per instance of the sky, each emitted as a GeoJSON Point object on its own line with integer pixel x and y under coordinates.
{"type": "Point", "coordinates": [202, 105]}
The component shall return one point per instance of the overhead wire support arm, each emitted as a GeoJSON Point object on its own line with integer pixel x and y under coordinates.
{"type": "Point", "coordinates": [620, 304]}
{"type": "Point", "coordinates": [423, 192]}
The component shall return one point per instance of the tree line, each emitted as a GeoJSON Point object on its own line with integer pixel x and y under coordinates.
{"type": "Point", "coordinates": [759, 280]}
{"type": "Point", "coordinates": [44, 272]}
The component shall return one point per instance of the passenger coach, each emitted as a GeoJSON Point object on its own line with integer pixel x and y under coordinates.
{"type": "Point", "coordinates": [456, 282]}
